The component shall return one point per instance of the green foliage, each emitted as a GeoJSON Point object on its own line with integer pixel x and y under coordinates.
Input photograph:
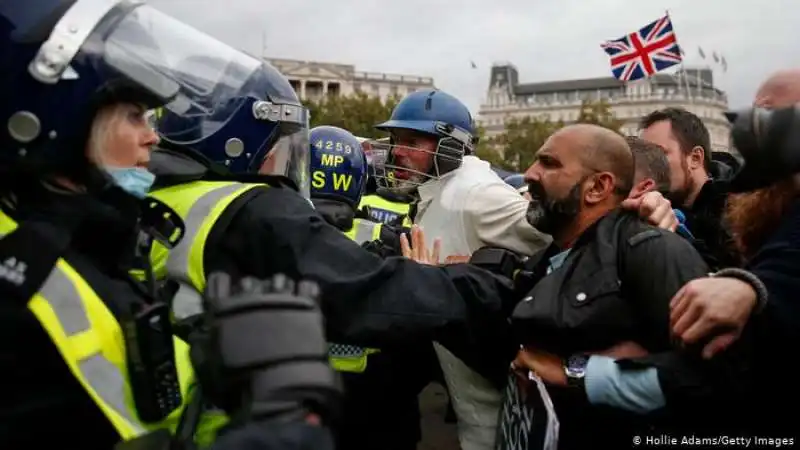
{"type": "Point", "coordinates": [515, 149]}
{"type": "Point", "coordinates": [487, 150]}
{"type": "Point", "coordinates": [357, 113]}
{"type": "Point", "coordinates": [599, 113]}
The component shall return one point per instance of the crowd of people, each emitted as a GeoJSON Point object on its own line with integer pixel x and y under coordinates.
{"type": "Point", "coordinates": [187, 265]}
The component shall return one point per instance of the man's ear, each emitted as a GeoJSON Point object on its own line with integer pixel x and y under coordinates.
{"type": "Point", "coordinates": [599, 187]}
{"type": "Point", "coordinates": [697, 157]}
{"type": "Point", "coordinates": [643, 187]}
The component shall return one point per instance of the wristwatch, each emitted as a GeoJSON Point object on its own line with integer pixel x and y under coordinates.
{"type": "Point", "coordinates": [575, 369]}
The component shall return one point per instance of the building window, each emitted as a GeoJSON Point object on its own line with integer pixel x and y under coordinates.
{"type": "Point", "coordinates": [356, 87]}
{"type": "Point", "coordinates": [376, 89]}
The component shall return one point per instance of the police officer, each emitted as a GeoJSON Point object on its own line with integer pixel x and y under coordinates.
{"type": "Point", "coordinates": [338, 180]}
{"type": "Point", "coordinates": [88, 355]}
{"type": "Point", "coordinates": [383, 206]}
{"type": "Point", "coordinates": [244, 219]}
{"type": "Point", "coordinates": [71, 187]}
{"type": "Point", "coordinates": [380, 406]}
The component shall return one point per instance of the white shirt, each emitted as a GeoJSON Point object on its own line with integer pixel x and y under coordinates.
{"type": "Point", "coordinates": [470, 208]}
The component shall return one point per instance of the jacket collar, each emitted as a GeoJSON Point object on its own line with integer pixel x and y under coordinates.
{"type": "Point", "coordinates": [432, 188]}
{"type": "Point", "coordinates": [104, 228]}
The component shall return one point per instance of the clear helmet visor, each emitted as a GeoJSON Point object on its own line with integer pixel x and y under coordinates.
{"type": "Point", "coordinates": [198, 76]}
{"type": "Point", "coordinates": [171, 66]}
{"type": "Point", "coordinates": [289, 157]}
{"type": "Point", "coordinates": [204, 83]}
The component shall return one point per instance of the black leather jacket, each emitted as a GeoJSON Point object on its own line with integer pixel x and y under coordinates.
{"type": "Point", "coordinates": [615, 285]}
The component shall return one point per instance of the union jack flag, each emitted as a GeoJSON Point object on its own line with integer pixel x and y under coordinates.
{"type": "Point", "coordinates": [645, 52]}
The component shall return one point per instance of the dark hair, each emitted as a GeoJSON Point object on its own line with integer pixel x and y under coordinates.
{"type": "Point", "coordinates": [689, 130]}
{"type": "Point", "coordinates": [651, 160]}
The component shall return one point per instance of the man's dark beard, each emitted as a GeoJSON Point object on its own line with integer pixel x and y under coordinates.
{"type": "Point", "coordinates": [678, 198]}
{"type": "Point", "coordinates": [549, 215]}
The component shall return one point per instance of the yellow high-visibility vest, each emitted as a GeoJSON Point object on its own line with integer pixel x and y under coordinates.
{"type": "Point", "coordinates": [352, 358]}
{"type": "Point", "coordinates": [385, 211]}
{"type": "Point", "coordinates": [92, 344]}
{"type": "Point", "coordinates": [200, 204]}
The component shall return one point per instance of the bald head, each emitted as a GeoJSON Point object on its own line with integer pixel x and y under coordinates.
{"type": "Point", "coordinates": [780, 90]}
{"type": "Point", "coordinates": [604, 150]}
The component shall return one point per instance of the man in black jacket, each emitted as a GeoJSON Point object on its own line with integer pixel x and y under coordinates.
{"type": "Point", "coordinates": [594, 320]}
{"type": "Point", "coordinates": [699, 187]}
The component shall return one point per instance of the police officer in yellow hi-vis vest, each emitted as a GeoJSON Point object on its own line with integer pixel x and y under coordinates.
{"type": "Point", "coordinates": [74, 159]}
{"type": "Point", "coordinates": [380, 410]}
{"type": "Point", "coordinates": [383, 207]}
{"type": "Point", "coordinates": [88, 356]}
{"type": "Point", "coordinates": [237, 174]}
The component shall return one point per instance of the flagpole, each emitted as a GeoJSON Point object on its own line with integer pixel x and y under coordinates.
{"type": "Point", "coordinates": [681, 65]}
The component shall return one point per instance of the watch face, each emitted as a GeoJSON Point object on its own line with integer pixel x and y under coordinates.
{"type": "Point", "coordinates": [576, 365]}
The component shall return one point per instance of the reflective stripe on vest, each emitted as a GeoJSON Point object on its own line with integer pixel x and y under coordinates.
{"type": "Point", "coordinates": [200, 204]}
{"type": "Point", "coordinates": [364, 231]}
{"type": "Point", "coordinates": [90, 340]}
{"type": "Point", "coordinates": [352, 358]}
{"type": "Point", "coordinates": [380, 204]}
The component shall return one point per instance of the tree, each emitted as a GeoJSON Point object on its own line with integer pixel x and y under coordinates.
{"type": "Point", "coordinates": [521, 140]}
{"type": "Point", "coordinates": [487, 150]}
{"type": "Point", "coordinates": [599, 113]}
{"type": "Point", "coordinates": [515, 149]}
{"type": "Point", "coordinates": [357, 113]}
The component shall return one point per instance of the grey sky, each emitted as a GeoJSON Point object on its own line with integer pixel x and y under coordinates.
{"type": "Point", "coordinates": [545, 39]}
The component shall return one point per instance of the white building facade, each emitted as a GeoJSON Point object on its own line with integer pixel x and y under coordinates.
{"type": "Point", "coordinates": [313, 80]}
{"type": "Point", "coordinates": [561, 100]}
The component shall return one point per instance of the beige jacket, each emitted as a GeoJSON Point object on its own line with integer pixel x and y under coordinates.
{"type": "Point", "coordinates": [467, 209]}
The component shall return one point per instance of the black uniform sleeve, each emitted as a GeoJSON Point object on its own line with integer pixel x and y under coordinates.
{"type": "Point", "coordinates": [388, 243]}
{"type": "Point", "coordinates": [777, 264]}
{"type": "Point", "coordinates": [367, 300]}
{"type": "Point", "coordinates": [275, 436]}
{"type": "Point", "coordinates": [657, 264]}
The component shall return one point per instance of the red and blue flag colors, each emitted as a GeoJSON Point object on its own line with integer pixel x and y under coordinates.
{"type": "Point", "coordinates": [645, 52]}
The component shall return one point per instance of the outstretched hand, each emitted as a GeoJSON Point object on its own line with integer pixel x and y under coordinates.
{"type": "Point", "coordinates": [418, 250]}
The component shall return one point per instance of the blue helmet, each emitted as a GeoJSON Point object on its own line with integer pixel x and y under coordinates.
{"type": "Point", "coordinates": [517, 181]}
{"type": "Point", "coordinates": [62, 61]}
{"type": "Point", "coordinates": [247, 120]}
{"type": "Point", "coordinates": [338, 165]}
{"type": "Point", "coordinates": [435, 114]}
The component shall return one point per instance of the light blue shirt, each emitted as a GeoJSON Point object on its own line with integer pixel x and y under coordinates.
{"type": "Point", "coordinates": [557, 260]}
{"type": "Point", "coordinates": [637, 390]}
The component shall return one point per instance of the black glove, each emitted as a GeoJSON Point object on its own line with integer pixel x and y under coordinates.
{"type": "Point", "coordinates": [263, 353]}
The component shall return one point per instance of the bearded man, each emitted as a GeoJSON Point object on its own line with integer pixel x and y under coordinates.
{"type": "Point", "coordinates": [698, 184]}
{"type": "Point", "coordinates": [594, 323]}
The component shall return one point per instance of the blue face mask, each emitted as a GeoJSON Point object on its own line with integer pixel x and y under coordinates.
{"type": "Point", "coordinates": [133, 180]}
